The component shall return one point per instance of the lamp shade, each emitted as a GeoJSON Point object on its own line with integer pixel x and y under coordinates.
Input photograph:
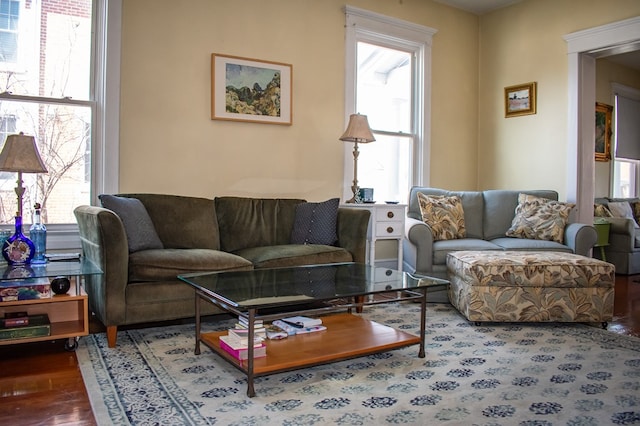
{"type": "Point", "coordinates": [358, 130]}
{"type": "Point", "coordinates": [20, 154]}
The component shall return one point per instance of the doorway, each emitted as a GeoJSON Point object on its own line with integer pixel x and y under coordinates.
{"type": "Point", "coordinates": [583, 47]}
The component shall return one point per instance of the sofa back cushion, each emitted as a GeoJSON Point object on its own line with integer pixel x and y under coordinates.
{"type": "Point", "coordinates": [472, 205]}
{"type": "Point", "coordinates": [500, 206]}
{"type": "Point", "coordinates": [255, 222]}
{"type": "Point", "coordinates": [182, 222]}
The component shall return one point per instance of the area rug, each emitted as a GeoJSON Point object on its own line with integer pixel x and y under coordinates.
{"type": "Point", "coordinates": [498, 374]}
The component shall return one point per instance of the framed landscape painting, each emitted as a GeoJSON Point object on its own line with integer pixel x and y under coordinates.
{"type": "Point", "coordinates": [252, 90]}
{"type": "Point", "coordinates": [603, 132]}
{"type": "Point", "coordinates": [520, 99]}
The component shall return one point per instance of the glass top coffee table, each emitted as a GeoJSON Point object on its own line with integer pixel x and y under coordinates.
{"type": "Point", "coordinates": [330, 291]}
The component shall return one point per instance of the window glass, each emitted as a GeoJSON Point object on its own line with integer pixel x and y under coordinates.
{"type": "Point", "coordinates": [384, 87]}
{"type": "Point", "coordinates": [385, 165]}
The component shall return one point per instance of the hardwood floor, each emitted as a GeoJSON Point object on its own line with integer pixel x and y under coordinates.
{"type": "Point", "coordinates": [41, 384]}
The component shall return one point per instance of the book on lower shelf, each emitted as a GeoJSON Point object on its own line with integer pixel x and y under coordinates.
{"type": "Point", "coordinates": [294, 330]}
{"type": "Point", "coordinates": [37, 326]}
{"type": "Point", "coordinates": [241, 352]}
{"type": "Point", "coordinates": [302, 321]}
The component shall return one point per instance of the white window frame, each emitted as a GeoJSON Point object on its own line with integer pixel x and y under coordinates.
{"type": "Point", "coordinates": [105, 92]}
{"type": "Point", "coordinates": [370, 27]}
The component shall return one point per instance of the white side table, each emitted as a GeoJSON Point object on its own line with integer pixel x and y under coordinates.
{"type": "Point", "coordinates": [386, 223]}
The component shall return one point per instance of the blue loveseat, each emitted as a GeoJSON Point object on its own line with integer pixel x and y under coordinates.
{"type": "Point", "coordinates": [487, 216]}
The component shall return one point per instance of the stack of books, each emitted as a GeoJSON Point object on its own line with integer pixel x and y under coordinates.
{"type": "Point", "coordinates": [239, 349]}
{"type": "Point", "coordinates": [241, 329]}
{"type": "Point", "coordinates": [300, 325]}
{"type": "Point", "coordinates": [19, 325]}
{"type": "Point", "coordinates": [236, 342]}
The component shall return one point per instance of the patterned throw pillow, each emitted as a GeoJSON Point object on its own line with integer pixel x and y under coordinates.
{"type": "Point", "coordinates": [600, 210]}
{"type": "Point", "coordinates": [316, 223]}
{"type": "Point", "coordinates": [444, 215]}
{"type": "Point", "coordinates": [540, 219]}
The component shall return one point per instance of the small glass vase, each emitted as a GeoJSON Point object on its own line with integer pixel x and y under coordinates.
{"type": "Point", "coordinates": [18, 249]}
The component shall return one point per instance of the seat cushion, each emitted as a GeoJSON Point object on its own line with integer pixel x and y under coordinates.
{"type": "Point", "coordinates": [167, 264]}
{"type": "Point", "coordinates": [294, 255]}
{"type": "Point", "coordinates": [508, 243]}
{"type": "Point", "coordinates": [442, 248]}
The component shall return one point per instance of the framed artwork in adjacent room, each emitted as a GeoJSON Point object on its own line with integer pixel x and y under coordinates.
{"type": "Point", "coordinates": [603, 132]}
{"type": "Point", "coordinates": [520, 99]}
{"type": "Point", "coordinates": [253, 90]}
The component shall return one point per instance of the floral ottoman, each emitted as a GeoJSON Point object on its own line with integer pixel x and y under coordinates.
{"type": "Point", "coordinates": [530, 286]}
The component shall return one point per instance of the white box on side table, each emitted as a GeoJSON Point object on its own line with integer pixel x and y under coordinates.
{"type": "Point", "coordinates": [386, 223]}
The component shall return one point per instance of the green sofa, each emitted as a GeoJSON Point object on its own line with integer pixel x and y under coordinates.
{"type": "Point", "coordinates": [196, 234]}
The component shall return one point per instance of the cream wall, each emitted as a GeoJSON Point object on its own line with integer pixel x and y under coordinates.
{"type": "Point", "coordinates": [607, 73]}
{"type": "Point", "coordinates": [169, 144]}
{"type": "Point", "coordinates": [522, 43]}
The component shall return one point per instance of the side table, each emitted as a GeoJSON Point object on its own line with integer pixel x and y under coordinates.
{"type": "Point", "coordinates": [68, 313]}
{"type": "Point", "coordinates": [386, 223]}
{"type": "Point", "coordinates": [602, 227]}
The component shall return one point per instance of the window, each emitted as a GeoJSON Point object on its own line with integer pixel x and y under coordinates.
{"type": "Point", "coordinates": [388, 80]}
{"type": "Point", "coordinates": [626, 162]}
{"type": "Point", "coordinates": [9, 15]}
{"type": "Point", "coordinates": [59, 95]}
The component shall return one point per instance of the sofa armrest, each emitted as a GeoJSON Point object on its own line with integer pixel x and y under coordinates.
{"type": "Point", "coordinates": [352, 232]}
{"type": "Point", "coordinates": [580, 237]}
{"type": "Point", "coordinates": [417, 250]}
{"type": "Point", "coordinates": [104, 242]}
{"type": "Point", "coordinates": [622, 234]}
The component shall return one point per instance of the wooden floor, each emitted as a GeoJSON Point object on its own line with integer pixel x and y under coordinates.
{"type": "Point", "coordinates": [41, 384]}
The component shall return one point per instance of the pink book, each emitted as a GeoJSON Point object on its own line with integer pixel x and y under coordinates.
{"type": "Point", "coordinates": [259, 351]}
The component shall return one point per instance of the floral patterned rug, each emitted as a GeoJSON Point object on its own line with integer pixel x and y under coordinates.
{"type": "Point", "coordinates": [497, 374]}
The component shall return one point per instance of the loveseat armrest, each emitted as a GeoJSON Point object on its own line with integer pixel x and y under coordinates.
{"type": "Point", "coordinates": [104, 242]}
{"type": "Point", "coordinates": [417, 250]}
{"type": "Point", "coordinates": [580, 237]}
{"type": "Point", "coordinates": [622, 234]}
{"type": "Point", "coordinates": [352, 232]}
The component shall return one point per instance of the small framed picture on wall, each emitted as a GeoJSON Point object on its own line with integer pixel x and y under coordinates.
{"type": "Point", "coordinates": [520, 99]}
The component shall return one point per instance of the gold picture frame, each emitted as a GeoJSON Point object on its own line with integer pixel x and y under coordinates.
{"type": "Point", "coordinates": [520, 99]}
{"type": "Point", "coordinates": [252, 90]}
{"type": "Point", "coordinates": [603, 132]}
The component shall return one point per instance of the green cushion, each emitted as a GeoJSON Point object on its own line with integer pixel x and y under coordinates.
{"type": "Point", "coordinates": [166, 264]}
{"type": "Point", "coordinates": [182, 222]}
{"type": "Point", "coordinates": [254, 222]}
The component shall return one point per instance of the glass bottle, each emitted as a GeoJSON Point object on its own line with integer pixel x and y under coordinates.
{"type": "Point", "coordinates": [38, 234]}
{"type": "Point", "coordinates": [18, 249]}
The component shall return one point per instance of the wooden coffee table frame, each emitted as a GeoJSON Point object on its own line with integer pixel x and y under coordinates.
{"type": "Point", "coordinates": [347, 335]}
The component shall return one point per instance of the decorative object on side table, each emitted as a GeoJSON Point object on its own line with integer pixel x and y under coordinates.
{"type": "Point", "coordinates": [60, 285]}
{"type": "Point", "coordinates": [20, 154]}
{"type": "Point", "coordinates": [358, 131]}
{"type": "Point", "coordinates": [38, 235]}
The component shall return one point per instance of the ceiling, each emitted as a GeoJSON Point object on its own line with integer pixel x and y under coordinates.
{"type": "Point", "coordinates": [627, 58]}
{"type": "Point", "coordinates": [479, 7]}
